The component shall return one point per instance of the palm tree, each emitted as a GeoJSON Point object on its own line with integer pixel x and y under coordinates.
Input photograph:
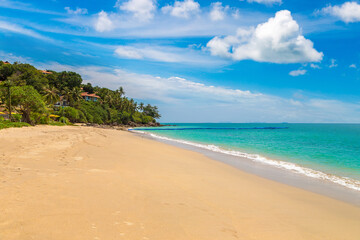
{"type": "Point", "coordinates": [121, 91]}
{"type": "Point", "coordinates": [109, 99]}
{"type": "Point", "coordinates": [75, 95]}
{"type": "Point", "coordinates": [51, 95]}
{"type": "Point", "coordinates": [141, 106]}
{"type": "Point", "coordinates": [66, 93]}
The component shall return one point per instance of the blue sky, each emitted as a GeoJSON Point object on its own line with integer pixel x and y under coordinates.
{"type": "Point", "coordinates": [201, 61]}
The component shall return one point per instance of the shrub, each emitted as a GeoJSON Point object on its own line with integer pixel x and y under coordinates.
{"type": "Point", "coordinates": [53, 123]}
{"type": "Point", "coordinates": [44, 120]}
{"type": "Point", "coordinates": [17, 117]}
{"type": "Point", "coordinates": [124, 118]}
{"type": "Point", "coordinates": [147, 119]}
{"type": "Point", "coordinates": [35, 117]}
{"type": "Point", "coordinates": [64, 120]}
{"type": "Point", "coordinates": [94, 112]}
{"type": "Point", "coordinates": [12, 124]}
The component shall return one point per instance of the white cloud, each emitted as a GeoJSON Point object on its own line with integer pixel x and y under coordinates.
{"type": "Point", "coordinates": [166, 54]}
{"type": "Point", "coordinates": [347, 12]}
{"type": "Point", "coordinates": [10, 27]}
{"type": "Point", "coordinates": [333, 63]}
{"type": "Point", "coordinates": [183, 100]}
{"type": "Point", "coordinates": [76, 11]}
{"type": "Point", "coordinates": [266, 2]}
{"type": "Point", "coordinates": [141, 9]}
{"type": "Point", "coordinates": [182, 9]}
{"type": "Point", "coordinates": [279, 40]}
{"type": "Point", "coordinates": [103, 22]}
{"type": "Point", "coordinates": [218, 11]}
{"type": "Point", "coordinates": [162, 26]}
{"type": "Point", "coordinates": [27, 7]}
{"type": "Point", "coordinates": [10, 57]}
{"type": "Point", "coordinates": [236, 14]}
{"type": "Point", "coordinates": [314, 66]}
{"type": "Point", "coordinates": [129, 52]}
{"type": "Point", "coordinates": [352, 66]}
{"type": "Point", "coordinates": [298, 72]}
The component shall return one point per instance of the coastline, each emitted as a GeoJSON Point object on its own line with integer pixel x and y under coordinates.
{"type": "Point", "coordinates": [91, 183]}
{"type": "Point", "coordinates": [279, 171]}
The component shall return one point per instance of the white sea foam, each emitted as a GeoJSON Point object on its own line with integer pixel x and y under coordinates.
{"type": "Point", "coordinates": [344, 181]}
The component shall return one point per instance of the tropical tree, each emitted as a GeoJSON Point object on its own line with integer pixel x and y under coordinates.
{"type": "Point", "coordinates": [51, 95]}
{"type": "Point", "coordinates": [6, 96]}
{"type": "Point", "coordinates": [66, 94]}
{"type": "Point", "coordinates": [28, 100]}
{"type": "Point", "coordinates": [152, 111]}
{"type": "Point", "coordinates": [29, 75]}
{"type": "Point", "coordinates": [88, 88]}
{"type": "Point", "coordinates": [68, 80]}
{"type": "Point", "coordinates": [75, 96]}
{"type": "Point", "coordinates": [141, 106]}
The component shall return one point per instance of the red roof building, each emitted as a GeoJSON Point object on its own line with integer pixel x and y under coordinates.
{"type": "Point", "coordinates": [45, 72]}
{"type": "Point", "coordinates": [89, 96]}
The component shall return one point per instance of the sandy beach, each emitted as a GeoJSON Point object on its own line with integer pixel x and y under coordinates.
{"type": "Point", "coordinates": [90, 183]}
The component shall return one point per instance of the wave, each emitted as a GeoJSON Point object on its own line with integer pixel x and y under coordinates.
{"type": "Point", "coordinates": [206, 128]}
{"type": "Point", "coordinates": [343, 181]}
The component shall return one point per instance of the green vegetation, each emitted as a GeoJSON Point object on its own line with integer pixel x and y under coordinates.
{"type": "Point", "coordinates": [31, 95]}
{"type": "Point", "coordinates": [8, 124]}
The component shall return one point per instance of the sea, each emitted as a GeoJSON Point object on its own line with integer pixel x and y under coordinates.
{"type": "Point", "coordinates": [330, 152]}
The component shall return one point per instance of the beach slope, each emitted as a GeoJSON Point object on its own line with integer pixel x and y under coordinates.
{"type": "Point", "coordinates": [89, 183]}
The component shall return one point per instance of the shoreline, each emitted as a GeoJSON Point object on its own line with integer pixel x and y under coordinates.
{"type": "Point", "coordinates": [316, 184]}
{"type": "Point", "coordinates": [90, 183]}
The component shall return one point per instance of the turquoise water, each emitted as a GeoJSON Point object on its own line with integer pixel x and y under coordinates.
{"type": "Point", "coordinates": [330, 148]}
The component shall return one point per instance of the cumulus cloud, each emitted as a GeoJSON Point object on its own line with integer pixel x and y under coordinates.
{"type": "Point", "coordinates": [352, 66]}
{"type": "Point", "coordinates": [298, 72]}
{"type": "Point", "coordinates": [76, 11]}
{"type": "Point", "coordinates": [182, 9]}
{"type": "Point", "coordinates": [314, 66]}
{"type": "Point", "coordinates": [103, 23]}
{"type": "Point", "coordinates": [279, 40]}
{"type": "Point", "coordinates": [266, 2]}
{"type": "Point", "coordinates": [347, 12]}
{"type": "Point", "coordinates": [218, 11]}
{"type": "Point", "coordinates": [333, 63]}
{"type": "Point", "coordinates": [141, 9]}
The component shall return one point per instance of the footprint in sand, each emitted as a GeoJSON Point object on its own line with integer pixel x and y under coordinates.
{"type": "Point", "coordinates": [78, 158]}
{"type": "Point", "coordinates": [128, 223]}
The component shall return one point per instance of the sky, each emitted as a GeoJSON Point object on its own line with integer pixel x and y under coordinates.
{"type": "Point", "coordinates": [201, 61]}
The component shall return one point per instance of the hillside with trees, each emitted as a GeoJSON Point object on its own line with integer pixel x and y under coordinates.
{"type": "Point", "coordinates": [36, 96]}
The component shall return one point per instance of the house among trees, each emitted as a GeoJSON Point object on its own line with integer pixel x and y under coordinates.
{"type": "Point", "coordinates": [45, 72]}
{"type": "Point", "coordinates": [34, 95]}
{"type": "Point", "coordinates": [90, 96]}
{"type": "Point", "coordinates": [62, 102]}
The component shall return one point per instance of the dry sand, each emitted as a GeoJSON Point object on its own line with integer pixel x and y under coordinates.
{"type": "Point", "coordinates": [71, 183]}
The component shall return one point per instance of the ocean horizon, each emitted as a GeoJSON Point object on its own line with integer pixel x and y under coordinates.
{"type": "Point", "coordinates": [327, 151]}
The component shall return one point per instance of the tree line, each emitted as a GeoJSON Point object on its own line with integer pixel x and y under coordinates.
{"type": "Point", "coordinates": [32, 94]}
